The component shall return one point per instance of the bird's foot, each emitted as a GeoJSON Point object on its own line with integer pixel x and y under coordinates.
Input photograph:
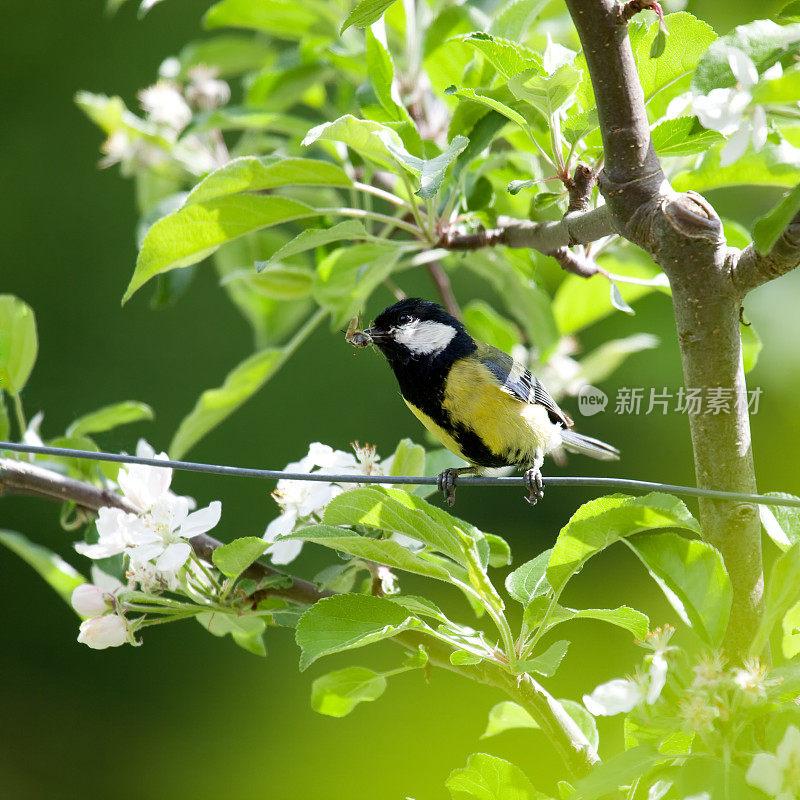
{"type": "Point", "coordinates": [446, 482]}
{"type": "Point", "coordinates": [533, 480]}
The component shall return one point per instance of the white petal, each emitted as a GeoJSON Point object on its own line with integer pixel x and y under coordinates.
{"type": "Point", "coordinates": [615, 697]}
{"type": "Point", "coordinates": [144, 449]}
{"type": "Point", "coordinates": [765, 774]}
{"type": "Point", "coordinates": [788, 751]}
{"type": "Point", "coordinates": [317, 497]}
{"type": "Point", "coordinates": [280, 526]}
{"type": "Point", "coordinates": [678, 105]}
{"type": "Point", "coordinates": [174, 557]}
{"type": "Point", "coordinates": [144, 552]}
{"type": "Point", "coordinates": [284, 552]}
{"type": "Point", "coordinates": [760, 129]}
{"type": "Point", "coordinates": [742, 67]}
{"type": "Point", "coordinates": [319, 454]}
{"type": "Point", "coordinates": [97, 550]}
{"type": "Point", "coordinates": [89, 600]}
{"type": "Point", "coordinates": [773, 73]}
{"type": "Point", "coordinates": [201, 521]}
{"type": "Point", "coordinates": [717, 110]}
{"type": "Point", "coordinates": [658, 677]}
{"type": "Point", "coordinates": [31, 435]}
{"type": "Point", "coordinates": [108, 583]}
{"type": "Point", "coordinates": [736, 146]}
{"type": "Point", "coordinates": [101, 632]}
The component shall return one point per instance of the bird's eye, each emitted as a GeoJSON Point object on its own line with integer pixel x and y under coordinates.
{"type": "Point", "coordinates": [405, 319]}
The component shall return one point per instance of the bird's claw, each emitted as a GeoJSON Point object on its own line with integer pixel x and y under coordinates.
{"type": "Point", "coordinates": [533, 480]}
{"type": "Point", "coordinates": [446, 483]}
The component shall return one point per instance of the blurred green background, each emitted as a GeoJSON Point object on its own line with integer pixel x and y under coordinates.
{"type": "Point", "coordinates": [187, 715]}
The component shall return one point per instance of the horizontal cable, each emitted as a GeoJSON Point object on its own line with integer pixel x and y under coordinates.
{"type": "Point", "coordinates": [480, 480]}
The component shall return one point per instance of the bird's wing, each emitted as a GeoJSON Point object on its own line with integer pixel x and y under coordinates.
{"type": "Point", "coordinates": [520, 383]}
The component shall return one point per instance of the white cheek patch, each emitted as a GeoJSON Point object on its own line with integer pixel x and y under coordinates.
{"type": "Point", "coordinates": [425, 338]}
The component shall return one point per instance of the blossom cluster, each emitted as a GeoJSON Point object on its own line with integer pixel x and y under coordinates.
{"type": "Point", "coordinates": [153, 537]}
{"type": "Point", "coordinates": [304, 501]}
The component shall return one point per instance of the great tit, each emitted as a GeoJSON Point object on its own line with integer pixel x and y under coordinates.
{"type": "Point", "coordinates": [475, 399]}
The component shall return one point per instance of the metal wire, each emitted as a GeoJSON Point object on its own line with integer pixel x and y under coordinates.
{"type": "Point", "coordinates": [481, 480]}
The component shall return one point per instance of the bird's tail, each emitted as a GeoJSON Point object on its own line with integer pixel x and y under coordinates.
{"type": "Point", "coordinates": [587, 446]}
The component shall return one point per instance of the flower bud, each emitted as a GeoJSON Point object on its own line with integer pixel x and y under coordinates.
{"type": "Point", "coordinates": [102, 632]}
{"type": "Point", "coordinates": [90, 600]}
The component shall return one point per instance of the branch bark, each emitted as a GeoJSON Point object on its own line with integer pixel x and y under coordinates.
{"type": "Point", "coordinates": [17, 477]}
{"type": "Point", "coordinates": [683, 234]}
{"type": "Point", "coordinates": [752, 269]}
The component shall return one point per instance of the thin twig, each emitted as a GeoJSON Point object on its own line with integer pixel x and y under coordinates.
{"type": "Point", "coordinates": [442, 282]}
{"type": "Point", "coordinates": [8, 467]}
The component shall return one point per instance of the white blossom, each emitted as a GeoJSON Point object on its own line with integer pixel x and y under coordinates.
{"type": "Point", "coordinates": [99, 633]}
{"type": "Point", "coordinates": [305, 500]}
{"type": "Point", "coordinates": [388, 580]}
{"type": "Point", "coordinates": [32, 435]}
{"type": "Point", "coordinates": [205, 90]}
{"type": "Point", "coordinates": [731, 111]}
{"type": "Point", "coordinates": [90, 600]}
{"type": "Point", "coordinates": [778, 775]}
{"type": "Point", "coordinates": [164, 105]}
{"type": "Point", "coordinates": [618, 696]}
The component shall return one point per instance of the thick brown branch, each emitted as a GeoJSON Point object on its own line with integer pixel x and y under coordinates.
{"type": "Point", "coordinates": [632, 173]}
{"type": "Point", "coordinates": [576, 264]}
{"type": "Point", "coordinates": [580, 187]}
{"type": "Point", "coordinates": [752, 269]}
{"type": "Point", "coordinates": [580, 227]}
{"type": "Point", "coordinates": [17, 477]}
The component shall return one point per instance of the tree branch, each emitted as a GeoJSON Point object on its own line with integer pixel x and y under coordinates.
{"type": "Point", "coordinates": [580, 227]}
{"type": "Point", "coordinates": [17, 477]}
{"type": "Point", "coordinates": [752, 269]}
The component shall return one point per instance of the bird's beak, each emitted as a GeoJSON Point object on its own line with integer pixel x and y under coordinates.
{"type": "Point", "coordinates": [375, 334]}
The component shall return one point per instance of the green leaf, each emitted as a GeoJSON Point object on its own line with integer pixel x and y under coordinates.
{"type": "Point", "coordinates": [365, 13]}
{"type": "Point", "coordinates": [751, 346]}
{"type": "Point", "coordinates": [693, 578]}
{"type": "Point", "coordinates": [508, 58]}
{"type": "Point", "coordinates": [5, 422]}
{"type": "Point", "coordinates": [546, 93]}
{"type": "Point", "coordinates": [507, 716]}
{"type": "Point", "coordinates": [584, 720]}
{"type": "Point", "coordinates": [283, 19]}
{"type": "Point", "coordinates": [408, 459]}
{"type": "Point", "coordinates": [346, 278]}
{"type": "Point", "coordinates": [109, 417]}
{"type": "Point", "coordinates": [347, 621]}
{"type": "Point", "coordinates": [782, 592]}
{"type": "Point", "coordinates": [628, 619]}
{"type": "Point", "coordinates": [215, 405]}
{"type": "Point", "coordinates": [683, 136]}
{"type": "Point", "coordinates": [620, 770]}
{"type": "Point", "coordinates": [499, 551]}
{"type": "Point", "coordinates": [338, 693]}
{"type": "Point", "coordinates": [785, 89]}
{"type": "Point", "coordinates": [246, 630]}
{"type": "Point", "coordinates": [253, 174]}
{"type": "Point", "coordinates": [58, 574]}
{"type": "Point", "coordinates": [496, 105]}
{"type": "Point", "coordinates": [786, 518]}
{"type": "Point", "coordinates": [380, 70]}
{"type": "Point", "coordinates": [197, 230]}
{"type": "Point", "coordinates": [396, 511]}
{"type": "Point", "coordinates": [231, 55]}
{"type": "Point", "coordinates": [600, 523]}
{"type": "Point", "coordinates": [602, 362]}
{"type": "Point", "coordinates": [769, 228]}
{"type": "Point", "coordinates": [234, 558]}
{"type": "Point", "coordinates": [381, 551]}
{"type": "Point", "coordinates": [350, 231]}
{"type": "Point", "coordinates": [529, 580]}
{"type": "Point", "coordinates": [763, 41]}
{"type": "Point", "coordinates": [490, 778]}
{"type": "Point", "coordinates": [688, 41]}
{"type": "Point", "coordinates": [276, 281]}
{"type": "Point", "coordinates": [462, 657]}
{"type": "Point", "coordinates": [19, 343]}
{"type": "Point", "coordinates": [546, 663]}
{"type": "Point", "coordinates": [485, 324]}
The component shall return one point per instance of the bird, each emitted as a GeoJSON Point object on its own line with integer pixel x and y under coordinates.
{"type": "Point", "coordinates": [475, 399]}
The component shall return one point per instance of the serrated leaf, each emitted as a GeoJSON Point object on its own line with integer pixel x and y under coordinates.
{"type": "Point", "coordinates": [507, 716]}
{"type": "Point", "coordinates": [408, 459]}
{"type": "Point", "coordinates": [496, 105]}
{"type": "Point", "coordinates": [624, 617]}
{"type": "Point", "coordinates": [349, 230]}
{"type": "Point", "coordinates": [246, 630]}
{"type": "Point", "coordinates": [694, 580]}
{"type": "Point", "coordinates": [215, 405]}
{"type": "Point", "coordinates": [19, 343]}
{"type": "Point", "coordinates": [348, 621]}
{"type": "Point", "coordinates": [195, 231]}
{"type": "Point", "coordinates": [547, 93]}
{"type": "Point", "coordinates": [56, 572]}
{"type": "Point", "coordinates": [513, 18]}
{"type": "Point", "coordinates": [769, 228]}
{"type": "Point", "coordinates": [365, 13]}
{"type": "Point", "coordinates": [508, 58]}
{"type": "Point", "coordinates": [783, 588]}
{"type": "Point", "coordinates": [490, 778]}
{"type": "Point", "coordinates": [620, 770]}
{"type": "Point", "coordinates": [276, 281]}
{"type": "Point", "coordinates": [529, 580]}
{"type": "Point", "coordinates": [381, 551]}
{"type": "Point", "coordinates": [462, 658]}
{"type": "Point", "coordinates": [546, 663]}
{"type": "Point", "coordinates": [234, 558]}
{"type": "Point", "coordinates": [254, 174]}
{"type": "Point", "coordinates": [380, 70]}
{"type": "Point", "coordinates": [338, 693]}
{"type": "Point", "coordinates": [346, 277]}
{"type": "Point", "coordinates": [109, 417]}
{"type": "Point", "coordinates": [600, 523]}
{"type": "Point", "coordinates": [369, 139]}
{"type": "Point", "coordinates": [683, 136]}
{"type": "Point", "coordinates": [786, 518]}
